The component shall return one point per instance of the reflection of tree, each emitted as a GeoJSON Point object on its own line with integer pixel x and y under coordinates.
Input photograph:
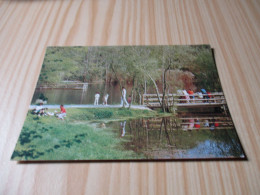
{"type": "Point", "coordinates": [159, 136]}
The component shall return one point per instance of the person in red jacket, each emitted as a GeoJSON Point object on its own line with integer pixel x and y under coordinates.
{"type": "Point", "coordinates": [62, 113]}
{"type": "Point", "coordinates": [191, 93]}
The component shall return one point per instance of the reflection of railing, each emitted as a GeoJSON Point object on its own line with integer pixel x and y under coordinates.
{"type": "Point", "coordinates": [195, 100]}
{"type": "Point", "coordinates": [190, 123]}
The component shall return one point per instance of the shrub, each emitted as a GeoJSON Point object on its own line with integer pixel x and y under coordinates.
{"type": "Point", "coordinates": [82, 116]}
{"type": "Point", "coordinates": [125, 112]}
{"type": "Point", "coordinates": [100, 114]}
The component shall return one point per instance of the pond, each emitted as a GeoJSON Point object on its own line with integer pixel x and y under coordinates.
{"type": "Point", "coordinates": [79, 96]}
{"type": "Point", "coordinates": [166, 138]}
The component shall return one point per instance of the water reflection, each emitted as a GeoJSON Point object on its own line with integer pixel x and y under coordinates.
{"type": "Point", "coordinates": [84, 96]}
{"type": "Point", "coordinates": [122, 128]}
{"type": "Point", "coordinates": [179, 137]}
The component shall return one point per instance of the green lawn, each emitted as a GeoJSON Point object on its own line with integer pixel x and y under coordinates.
{"type": "Point", "coordinates": [75, 138]}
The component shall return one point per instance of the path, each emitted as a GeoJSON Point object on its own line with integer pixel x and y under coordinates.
{"type": "Point", "coordinates": [141, 107]}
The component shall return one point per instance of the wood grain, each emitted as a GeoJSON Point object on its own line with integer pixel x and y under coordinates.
{"type": "Point", "coordinates": [232, 27]}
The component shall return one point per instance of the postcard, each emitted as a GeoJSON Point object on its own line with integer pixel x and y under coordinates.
{"type": "Point", "coordinates": [128, 103]}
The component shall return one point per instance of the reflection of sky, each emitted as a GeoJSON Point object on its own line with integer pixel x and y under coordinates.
{"type": "Point", "coordinates": [206, 149]}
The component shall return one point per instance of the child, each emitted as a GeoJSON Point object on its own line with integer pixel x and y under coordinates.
{"type": "Point", "coordinates": [62, 113]}
{"type": "Point", "coordinates": [129, 99]}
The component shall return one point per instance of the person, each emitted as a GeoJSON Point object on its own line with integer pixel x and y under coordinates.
{"type": "Point", "coordinates": [209, 96]}
{"type": "Point", "coordinates": [129, 99]}
{"type": "Point", "coordinates": [62, 112]}
{"type": "Point", "coordinates": [205, 94]}
{"type": "Point", "coordinates": [105, 98]}
{"type": "Point", "coordinates": [187, 97]}
{"type": "Point", "coordinates": [123, 98]}
{"type": "Point", "coordinates": [191, 93]}
{"type": "Point", "coordinates": [180, 94]}
{"type": "Point", "coordinates": [38, 109]}
{"type": "Point", "coordinates": [96, 98]}
{"type": "Point", "coordinates": [50, 113]}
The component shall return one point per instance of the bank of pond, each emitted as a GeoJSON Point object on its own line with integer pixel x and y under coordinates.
{"type": "Point", "coordinates": [121, 134]}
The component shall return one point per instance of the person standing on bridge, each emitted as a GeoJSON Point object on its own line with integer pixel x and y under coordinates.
{"type": "Point", "coordinates": [123, 98]}
{"type": "Point", "coordinates": [205, 94]}
{"type": "Point", "coordinates": [191, 93]}
{"type": "Point", "coordinates": [96, 98]}
{"type": "Point", "coordinates": [186, 95]}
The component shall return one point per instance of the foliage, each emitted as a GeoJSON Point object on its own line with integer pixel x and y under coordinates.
{"type": "Point", "coordinates": [47, 138]}
{"type": "Point", "coordinates": [94, 114]}
{"type": "Point", "coordinates": [103, 114]}
{"type": "Point", "coordinates": [143, 66]}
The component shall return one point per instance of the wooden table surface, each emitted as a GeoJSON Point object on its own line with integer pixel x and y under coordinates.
{"type": "Point", "coordinates": [232, 27]}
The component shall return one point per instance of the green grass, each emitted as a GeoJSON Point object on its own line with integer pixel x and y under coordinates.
{"type": "Point", "coordinates": [75, 138]}
{"type": "Point", "coordinates": [106, 114]}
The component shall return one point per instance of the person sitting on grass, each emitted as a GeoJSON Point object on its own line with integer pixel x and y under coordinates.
{"type": "Point", "coordinates": [38, 109]}
{"type": "Point", "coordinates": [62, 113]}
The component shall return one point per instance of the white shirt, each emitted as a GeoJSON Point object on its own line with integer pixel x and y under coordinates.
{"type": "Point", "coordinates": [39, 107]}
{"type": "Point", "coordinates": [97, 96]}
{"type": "Point", "coordinates": [124, 92]}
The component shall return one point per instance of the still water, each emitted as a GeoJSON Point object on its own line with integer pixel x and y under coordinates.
{"type": "Point", "coordinates": [165, 138]}
{"type": "Point", "coordinates": [78, 96]}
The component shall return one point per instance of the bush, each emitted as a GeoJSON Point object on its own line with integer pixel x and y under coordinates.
{"type": "Point", "coordinates": [100, 114]}
{"type": "Point", "coordinates": [82, 116]}
{"type": "Point", "coordinates": [125, 112]}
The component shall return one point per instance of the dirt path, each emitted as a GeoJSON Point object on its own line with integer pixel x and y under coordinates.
{"type": "Point", "coordinates": [141, 107]}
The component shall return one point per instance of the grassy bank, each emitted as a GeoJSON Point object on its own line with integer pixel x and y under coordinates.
{"type": "Point", "coordinates": [47, 138]}
{"type": "Point", "coordinates": [106, 114]}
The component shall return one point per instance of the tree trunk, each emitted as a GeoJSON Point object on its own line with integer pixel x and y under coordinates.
{"type": "Point", "coordinates": [112, 67]}
{"type": "Point", "coordinates": [164, 90]}
{"type": "Point", "coordinates": [157, 91]}
{"type": "Point", "coordinates": [132, 92]}
{"type": "Point", "coordinates": [145, 87]}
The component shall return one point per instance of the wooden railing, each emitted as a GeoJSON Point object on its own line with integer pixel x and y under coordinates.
{"type": "Point", "coordinates": [195, 100]}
